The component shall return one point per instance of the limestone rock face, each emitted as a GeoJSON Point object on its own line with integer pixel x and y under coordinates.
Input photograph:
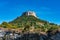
{"type": "Point", "coordinates": [30, 13]}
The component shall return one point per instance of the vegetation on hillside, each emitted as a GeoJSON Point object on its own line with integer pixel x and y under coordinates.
{"type": "Point", "coordinates": [30, 21]}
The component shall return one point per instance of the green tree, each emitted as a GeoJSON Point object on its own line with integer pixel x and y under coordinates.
{"type": "Point", "coordinates": [6, 25]}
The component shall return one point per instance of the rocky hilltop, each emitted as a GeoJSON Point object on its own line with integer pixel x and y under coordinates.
{"type": "Point", "coordinates": [28, 18]}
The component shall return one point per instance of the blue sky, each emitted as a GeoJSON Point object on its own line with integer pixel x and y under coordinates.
{"type": "Point", "coordinates": [45, 9]}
